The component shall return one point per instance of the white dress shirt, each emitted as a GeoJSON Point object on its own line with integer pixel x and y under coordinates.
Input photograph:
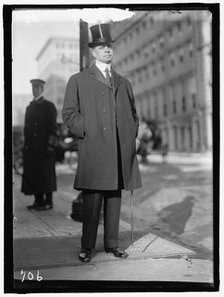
{"type": "Point", "coordinates": [102, 67]}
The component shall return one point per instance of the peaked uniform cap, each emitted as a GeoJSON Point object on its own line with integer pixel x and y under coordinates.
{"type": "Point", "coordinates": [37, 82]}
{"type": "Point", "coordinates": [100, 34]}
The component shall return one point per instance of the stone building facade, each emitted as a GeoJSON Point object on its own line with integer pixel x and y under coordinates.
{"type": "Point", "coordinates": [167, 56]}
{"type": "Point", "coordinates": [56, 62]}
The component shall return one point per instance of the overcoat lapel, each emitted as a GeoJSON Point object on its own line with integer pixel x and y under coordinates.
{"type": "Point", "coordinates": [116, 79]}
{"type": "Point", "coordinates": [98, 75]}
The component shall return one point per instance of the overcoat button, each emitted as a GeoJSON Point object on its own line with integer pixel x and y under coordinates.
{"type": "Point", "coordinates": [103, 93]}
{"type": "Point", "coordinates": [104, 110]}
{"type": "Point", "coordinates": [104, 128]}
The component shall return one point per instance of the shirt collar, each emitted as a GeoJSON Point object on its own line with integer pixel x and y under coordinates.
{"type": "Point", "coordinates": [102, 66]}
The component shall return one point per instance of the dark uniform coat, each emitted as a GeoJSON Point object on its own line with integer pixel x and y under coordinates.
{"type": "Point", "coordinates": [91, 110]}
{"type": "Point", "coordinates": [38, 162]}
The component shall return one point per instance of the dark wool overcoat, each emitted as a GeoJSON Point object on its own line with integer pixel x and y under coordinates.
{"type": "Point", "coordinates": [38, 164]}
{"type": "Point", "coordinates": [91, 110]}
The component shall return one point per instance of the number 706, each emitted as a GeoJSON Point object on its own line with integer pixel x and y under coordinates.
{"type": "Point", "coordinates": [31, 276]}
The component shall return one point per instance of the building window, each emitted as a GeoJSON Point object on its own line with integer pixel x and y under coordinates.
{"type": "Point", "coordinates": [146, 52]}
{"type": "Point", "coordinates": [174, 106]}
{"type": "Point", "coordinates": [161, 41]}
{"type": "Point", "coordinates": [149, 113]}
{"type": "Point", "coordinates": [140, 75]}
{"type": "Point", "coordinates": [146, 73]}
{"type": "Point", "coordinates": [184, 104]}
{"type": "Point", "coordinates": [156, 108]}
{"type": "Point", "coordinates": [181, 55]}
{"type": "Point", "coordinates": [193, 96]}
{"type": "Point", "coordinates": [172, 60]}
{"type": "Point", "coordinates": [182, 138]}
{"type": "Point", "coordinates": [191, 50]}
{"type": "Point", "coordinates": [164, 109]}
{"type": "Point", "coordinates": [152, 65]}
{"type": "Point", "coordinates": [190, 137]}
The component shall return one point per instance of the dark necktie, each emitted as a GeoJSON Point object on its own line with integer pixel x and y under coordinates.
{"type": "Point", "coordinates": [108, 78]}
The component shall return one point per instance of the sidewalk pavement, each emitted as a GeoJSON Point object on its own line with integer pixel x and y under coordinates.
{"type": "Point", "coordinates": [46, 244]}
{"type": "Point", "coordinates": [182, 158]}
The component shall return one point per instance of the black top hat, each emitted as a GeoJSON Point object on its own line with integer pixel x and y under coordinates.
{"type": "Point", "coordinates": [100, 34]}
{"type": "Point", "coordinates": [37, 82]}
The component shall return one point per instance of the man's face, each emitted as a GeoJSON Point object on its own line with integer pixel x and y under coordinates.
{"type": "Point", "coordinates": [103, 53]}
{"type": "Point", "coordinates": [37, 90]}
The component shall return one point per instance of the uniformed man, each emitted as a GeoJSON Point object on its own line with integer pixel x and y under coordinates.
{"type": "Point", "coordinates": [40, 136]}
{"type": "Point", "coordinates": [99, 109]}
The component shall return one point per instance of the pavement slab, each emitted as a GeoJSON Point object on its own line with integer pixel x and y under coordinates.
{"type": "Point", "coordinates": [155, 269]}
{"type": "Point", "coordinates": [46, 252]}
{"type": "Point", "coordinates": [140, 269]}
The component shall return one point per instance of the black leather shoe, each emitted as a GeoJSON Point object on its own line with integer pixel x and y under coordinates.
{"type": "Point", "coordinates": [45, 207]}
{"type": "Point", "coordinates": [116, 252]}
{"type": "Point", "coordinates": [85, 255]}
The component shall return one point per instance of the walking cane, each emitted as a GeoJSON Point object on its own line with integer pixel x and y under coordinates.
{"type": "Point", "coordinates": [131, 209]}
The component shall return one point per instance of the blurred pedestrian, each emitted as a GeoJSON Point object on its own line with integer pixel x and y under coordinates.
{"type": "Point", "coordinates": [40, 137]}
{"type": "Point", "coordinates": [99, 108]}
{"type": "Point", "coordinates": [164, 151]}
{"type": "Point", "coordinates": [144, 139]}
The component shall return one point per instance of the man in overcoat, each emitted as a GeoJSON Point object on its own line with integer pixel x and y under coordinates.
{"type": "Point", "coordinates": [40, 135]}
{"type": "Point", "coordinates": [99, 109]}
